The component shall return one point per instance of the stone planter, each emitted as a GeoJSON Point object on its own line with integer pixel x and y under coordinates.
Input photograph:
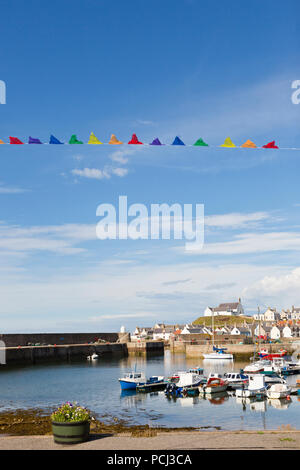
{"type": "Point", "coordinates": [71, 433]}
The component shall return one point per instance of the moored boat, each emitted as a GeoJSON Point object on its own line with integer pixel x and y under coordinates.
{"type": "Point", "coordinates": [265, 354]}
{"type": "Point", "coordinates": [256, 386]}
{"type": "Point", "coordinates": [131, 380]}
{"type": "Point", "coordinates": [213, 385]}
{"type": "Point", "coordinates": [278, 391]}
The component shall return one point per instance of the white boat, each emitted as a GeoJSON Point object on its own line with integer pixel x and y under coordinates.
{"type": "Point", "coordinates": [278, 391]}
{"type": "Point", "coordinates": [218, 353]}
{"type": "Point", "coordinates": [257, 386]}
{"type": "Point", "coordinates": [188, 379]}
{"type": "Point", "coordinates": [93, 357]}
{"type": "Point", "coordinates": [236, 378]}
{"type": "Point", "coordinates": [213, 385]}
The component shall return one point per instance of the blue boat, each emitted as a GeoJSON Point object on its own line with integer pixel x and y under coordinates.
{"type": "Point", "coordinates": [132, 379]}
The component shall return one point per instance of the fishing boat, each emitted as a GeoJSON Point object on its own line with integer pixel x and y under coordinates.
{"type": "Point", "coordinates": [265, 354]}
{"type": "Point", "coordinates": [256, 386]}
{"type": "Point", "coordinates": [278, 391]}
{"type": "Point", "coordinates": [255, 368]}
{"type": "Point", "coordinates": [213, 385]}
{"type": "Point", "coordinates": [235, 379]}
{"type": "Point", "coordinates": [131, 380]}
{"type": "Point", "coordinates": [187, 380]}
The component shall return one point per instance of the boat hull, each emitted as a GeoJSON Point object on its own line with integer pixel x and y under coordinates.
{"type": "Point", "coordinates": [218, 356]}
{"type": "Point", "coordinates": [126, 385]}
{"type": "Point", "coordinates": [246, 393]}
{"type": "Point", "coordinates": [212, 390]}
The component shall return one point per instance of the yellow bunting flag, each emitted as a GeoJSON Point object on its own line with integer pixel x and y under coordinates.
{"type": "Point", "coordinates": [249, 144]}
{"type": "Point", "coordinates": [1, 141]}
{"type": "Point", "coordinates": [93, 139]}
{"type": "Point", "coordinates": [114, 140]}
{"type": "Point", "coordinates": [228, 143]}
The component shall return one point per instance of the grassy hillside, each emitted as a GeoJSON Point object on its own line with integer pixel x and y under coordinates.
{"type": "Point", "coordinates": [222, 320]}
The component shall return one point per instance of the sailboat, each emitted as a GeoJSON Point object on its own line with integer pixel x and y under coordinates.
{"type": "Point", "coordinates": [218, 353]}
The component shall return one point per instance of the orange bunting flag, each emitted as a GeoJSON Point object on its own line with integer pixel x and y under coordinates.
{"type": "Point", "coordinates": [114, 140]}
{"type": "Point", "coordinates": [249, 144]}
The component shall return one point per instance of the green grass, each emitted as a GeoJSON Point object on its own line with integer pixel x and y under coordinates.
{"type": "Point", "coordinates": [222, 320]}
{"type": "Point", "coordinates": [289, 439]}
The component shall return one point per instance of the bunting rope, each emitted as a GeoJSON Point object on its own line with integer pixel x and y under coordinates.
{"type": "Point", "coordinates": [93, 140]}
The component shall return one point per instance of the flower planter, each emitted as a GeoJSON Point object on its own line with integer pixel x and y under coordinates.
{"type": "Point", "coordinates": [70, 433]}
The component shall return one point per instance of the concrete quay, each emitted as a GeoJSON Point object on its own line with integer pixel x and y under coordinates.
{"type": "Point", "coordinates": [67, 352]}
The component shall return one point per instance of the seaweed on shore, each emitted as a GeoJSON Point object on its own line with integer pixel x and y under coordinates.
{"type": "Point", "coordinates": [33, 422]}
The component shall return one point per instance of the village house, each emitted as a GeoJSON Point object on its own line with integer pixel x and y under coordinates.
{"type": "Point", "coordinates": [241, 330]}
{"type": "Point", "coordinates": [229, 309]}
{"type": "Point", "coordinates": [287, 332]}
{"type": "Point", "coordinates": [271, 315]}
{"type": "Point", "coordinates": [262, 331]}
{"type": "Point", "coordinates": [276, 332]}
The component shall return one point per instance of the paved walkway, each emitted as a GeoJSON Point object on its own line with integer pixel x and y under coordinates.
{"type": "Point", "coordinates": [165, 441]}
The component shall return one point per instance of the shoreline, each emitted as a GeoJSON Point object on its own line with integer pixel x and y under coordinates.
{"type": "Point", "coordinates": [31, 430]}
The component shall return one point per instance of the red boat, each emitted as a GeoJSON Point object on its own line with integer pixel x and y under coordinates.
{"type": "Point", "coordinates": [264, 354]}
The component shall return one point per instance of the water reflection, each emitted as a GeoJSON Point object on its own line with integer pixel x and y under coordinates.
{"type": "Point", "coordinates": [95, 384]}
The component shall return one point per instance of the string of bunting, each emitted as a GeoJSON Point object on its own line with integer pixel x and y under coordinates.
{"type": "Point", "coordinates": [135, 141]}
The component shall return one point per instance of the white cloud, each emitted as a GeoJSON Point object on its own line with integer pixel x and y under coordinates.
{"type": "Point", "coordinates": [282, 290]}
{"type": "Point", "coordinates": [11, 189]}
{"type": "Point", "coordinates": [252, 243]}
{"type": "Point", "coordinates": [235, 220]}
{"type": "Point", "coordinates": [92, 173]}
{"type": "Point", "coordinates": [98, 174]}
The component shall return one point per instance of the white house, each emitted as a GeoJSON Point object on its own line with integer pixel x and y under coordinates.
{"type": "Point", "coordinates": [262, 330]}
{"type": "Point", "coordinates": [287, 332]}
{"type": "Point", "coordinates": [271, 315]}
{"type": "Point", "coordinates": [276, 332]}
{"type": "Point", "coordinates": [240, 331]}
{"type": "Point", "coordinates": [230, 308]}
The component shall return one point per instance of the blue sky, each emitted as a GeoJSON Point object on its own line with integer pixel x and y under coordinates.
{"type": "Point", "coordinates": [188, 68]}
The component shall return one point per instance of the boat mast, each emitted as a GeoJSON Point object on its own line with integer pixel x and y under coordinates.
{"type": "Point", "coordinates": [213, 331]}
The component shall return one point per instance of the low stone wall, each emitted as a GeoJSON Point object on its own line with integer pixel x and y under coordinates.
{"type": "Point", "coordinates": [34, 354]}
{"type": "Point", "coordinates": [238, 350]}
{"type": "Point", "coordinates": [22, 339]}
{"type": "Point", "coordinates": [155, 347]}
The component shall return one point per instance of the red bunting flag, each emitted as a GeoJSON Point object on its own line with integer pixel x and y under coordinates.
{"type": "Point", "coordinates": [15, 140]}
{"type": "Point", "coordinates": [270, 145]}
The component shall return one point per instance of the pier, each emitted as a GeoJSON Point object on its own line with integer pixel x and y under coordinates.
{"type": "Point", "coordinates": [66, 352]}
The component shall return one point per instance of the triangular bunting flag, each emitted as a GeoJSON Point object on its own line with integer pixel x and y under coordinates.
{"type": "Point", "coordinates": [134, 140]}
{"type": "Point", "coordinates": [31, 140]}
{"type": "Point", "coordinates": [249, 144]}
{"type": "Point", "coordinates": [114, 140]}
{"type": "Point", "coordinates": [93, 139]}
{"type": "Point", "coordinates": [1, 141]}
{"type": "Point", "coordinates": [200, 142]}
{"type": "Point", "coordinates": [270, 145]}
{"type": "Point", "coordinates": [15, 140]}
{"type": "Point", "coordinates": [177, 141]}
{"type": "Point", "coordinates": [156, 142]}
{"type": "Point", "coordinates": [74, 140]}
{"type": "Point", "coordinates": [54, 140]}
{"type": "Point", "coordinates": [228, 143]}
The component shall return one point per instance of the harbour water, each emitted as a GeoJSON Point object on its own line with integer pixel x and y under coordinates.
{"type": "Point", "coordinates": [95, 385]}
